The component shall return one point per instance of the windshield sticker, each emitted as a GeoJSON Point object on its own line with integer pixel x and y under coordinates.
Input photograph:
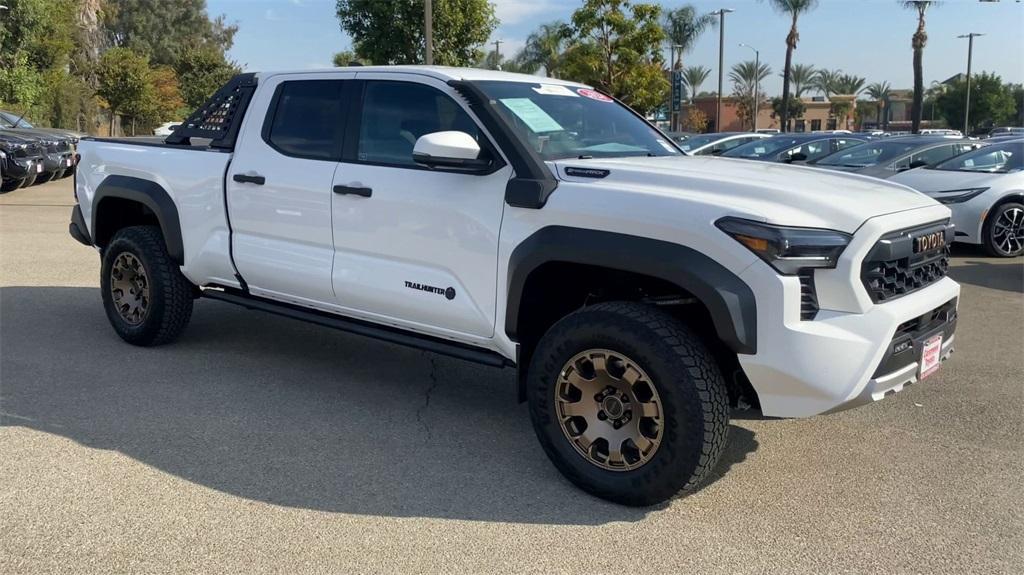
{"type": "Point", "coordinates": [555, 90]}
{"type": "Point", "coordinates": [532, 115]}
{"type": "Point", "coordinates": [593, 95]}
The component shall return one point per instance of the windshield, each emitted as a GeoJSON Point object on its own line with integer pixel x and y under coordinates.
{"type": "Point", "coordinates": [997, 159]}
{"type": "Point", "coordinates": [9, 120]}
{"type": "Point", "coordinates": [568, 122]}
{"type": "Point", "coordinates": [762, 148]}
{"type": "Point", "coordinates": [869, 154]}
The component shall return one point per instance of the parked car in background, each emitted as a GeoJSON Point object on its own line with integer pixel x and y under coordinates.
{"type": "Point", "coordinates": [57, 151]}
{"type": "Point", "coordinates": [886, 158]}
{"type": "Point", "coordinates": [940, 132]}
{"type": "Point", "coordinates": [770, 131]}
{"type": "Point", "coordinates": [166, 128]}
{"type": "Point", "coordinates": [20, 160]}
{"type": "Point", "coordinates": [1005, 131]}
{"type": "Point", "coordinates": [19, 121]}
{"type": "Point", "coordinates": [718, 143]}
{"type": "Point", "coordinates": [985, 190]}
{"type": "Point", "coordinates": [793, 148]}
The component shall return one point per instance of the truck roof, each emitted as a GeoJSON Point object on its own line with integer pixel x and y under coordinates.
{"type": "Point", "coordinates": [443, 73]}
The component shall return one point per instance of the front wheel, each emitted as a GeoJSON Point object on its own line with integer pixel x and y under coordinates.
{"type": "Point", "coordinates": [628, 403]}
{"type": "Point", "coordinates": [1004, 230]}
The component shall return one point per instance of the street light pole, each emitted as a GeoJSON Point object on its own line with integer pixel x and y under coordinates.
{"type": "Point", "coordinates": [757, 81]}
{"type": "Point", "coordinates": [970, 53]}
{"type": "Point", "coordinates": [721, 65]}
{"type": "Point", "coordinates": [428, 32]}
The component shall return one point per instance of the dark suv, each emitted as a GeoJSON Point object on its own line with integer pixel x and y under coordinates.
{"type": "Point", "coordinates": [21, 160]}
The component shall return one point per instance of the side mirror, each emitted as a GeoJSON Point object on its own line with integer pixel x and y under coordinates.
{"type": "Point", "coordinates": [917, 164]}
{"type": "Point", "coordinates": [717, 152]}
{"type": "Point", "coordinates": [798, 157]}
{"type": "Point", "coordinates": [449, 150]}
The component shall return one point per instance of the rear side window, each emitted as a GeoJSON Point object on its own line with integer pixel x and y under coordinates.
{"type": "Point", "coordinates": [308, 120]}
{"type": "Point", "coordinates": [396, 114]}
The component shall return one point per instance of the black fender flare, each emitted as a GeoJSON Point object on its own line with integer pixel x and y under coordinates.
{"type": "Point", "coordinates": [153, 196]}
{"type": "Point", "coordinates": [728, 298]}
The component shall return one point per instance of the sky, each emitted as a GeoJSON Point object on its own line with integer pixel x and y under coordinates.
{"type": "Point", "coordinates": [869, 38]}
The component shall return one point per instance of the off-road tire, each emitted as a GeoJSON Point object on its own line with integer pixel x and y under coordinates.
{"type": "Point", "coordinates": [988, 239]}
{"type": "Point", "coordinates": [691, 388]}
{"type": "Point", "coordinates": [170, 294]}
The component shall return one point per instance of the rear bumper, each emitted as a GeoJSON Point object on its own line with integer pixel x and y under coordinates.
{"type": "Point", "coordinates": [77, 227]}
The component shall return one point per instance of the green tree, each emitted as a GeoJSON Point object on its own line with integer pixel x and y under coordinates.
{"type": "Point", "coordinates": [746, 78]}
{"type": "Point", "coordinates": [918, 42]}
{"type": "Point", "coordinates": [544, 49]}
{"type": "Point", "coordinates": [694, 76]}
{"type": "Point", "coordinates": [801, 78]}
{"type": "Point", "coordinates": [992, 103]}
{"type": "Point", "coordinates": [795, 110]}
{"type": "Point", "coordinates": [615, 47]}
{"type": "Point", "coordinates": [162, 29]}
{"type": "Point", "coordinates": [825, 81]}
{"type": "Point", "coordinates": [124, 83]}
{"type": "Point", "coordinates": [792, 8]}
{"type": "Point", "coordinates": [682, 28]}
{"type": "Point", "coordinates": [347, 58]}
{"type": "Point", "coordinates": [880, 92]}
{"type": "Point", "coordinates": [848, 85]}
{"type": "Point", "coordinates": [201, 70]}
{"type": "Point", "coordinates": [391, 31]}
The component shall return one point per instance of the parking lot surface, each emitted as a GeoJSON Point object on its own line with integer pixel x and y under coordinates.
{"type": "Point", "coordinates": [260, 444]}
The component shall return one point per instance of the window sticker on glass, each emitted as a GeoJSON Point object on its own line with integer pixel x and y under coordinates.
{"type": "Point", "coordinates": [593, 95]}
{"type": "Point", "coordinates": [532, 115]}
{"type": "Point", "coordinates": [555, 90]}
{"type": "Point", "coordinates": [668, 147]}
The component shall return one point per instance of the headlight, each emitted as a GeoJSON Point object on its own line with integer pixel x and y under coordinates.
{"type": "Point", "coordinates": [787, 249]}
{"type": "Point", "coordinates": [958, 196]}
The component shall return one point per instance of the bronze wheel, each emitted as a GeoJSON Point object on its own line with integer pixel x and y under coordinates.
{"type": "Point", "coordinates": [609, 409]}
{"type": "Point", "coordinates": [129, 287]}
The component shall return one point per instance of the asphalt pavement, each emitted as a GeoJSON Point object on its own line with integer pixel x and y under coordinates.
{"type": "Point", "coordinates": [260, 444]}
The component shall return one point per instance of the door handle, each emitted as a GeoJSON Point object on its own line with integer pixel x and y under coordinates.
{"type": "Point", "coordinates": [246, 179]}
{"type": "Point", "coordinates": [356, 191]}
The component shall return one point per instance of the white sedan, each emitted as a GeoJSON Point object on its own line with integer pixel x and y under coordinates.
{"type": "Point", "coordinates": [985, 190]}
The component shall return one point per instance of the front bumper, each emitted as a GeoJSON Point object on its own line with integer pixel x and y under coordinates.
{"type": "Point", "coordinates": [20, 168]}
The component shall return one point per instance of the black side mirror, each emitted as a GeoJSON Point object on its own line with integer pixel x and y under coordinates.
{"type": "Point", "coordinates": [717, 152]}
{"type": "Point", "coordinates": [797, 157]}
{"type": "Point", "coordinates": [917, 164]}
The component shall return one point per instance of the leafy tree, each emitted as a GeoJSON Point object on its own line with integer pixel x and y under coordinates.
{"type": "Point", "coordinates": [695, 121]}
{"type": "Point", "coordinates": [201, 70]}
{"type": "Point", "coordinates": [391, 31]}
{"type": "Point", "coordinates": [793, 8]}
{"type": "Point", "coordinates": [694, 76]}
{"type": "Point", "coordinates": [795, 110]}
{"type": "Point", "coordinates": [346, 58]}
{"type": "Point", "coordinates": [124, 83]}
{"type": "Point", "coordinates": [918, 42]}
{"type": "Point", "coordinates": [615, 47]}
{"type": "Point", "coordinates": [161, 29]}
{"type": "Point", "coordinates": [746, 78]}
{"type": "Point", "coordinates": [992, 103]}
{"type": "Point", "coordinates": [544, 49]}
{"type": "Point", "coordinates": [880, 92]}
{"type": "Point", "coordinates": [801, 78]}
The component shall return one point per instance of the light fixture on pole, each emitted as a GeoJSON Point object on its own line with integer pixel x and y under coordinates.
{"type": "Point", "coordinates": [757, 81]}
{"type": "Point", "coordinates": [970, 52]}
{"type": "Point", "coordinates": [721, 64]}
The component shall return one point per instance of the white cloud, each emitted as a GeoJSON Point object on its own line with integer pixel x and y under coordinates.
{"type": "Point", "coordinates": [516, 11]}
{"type": "Point", "coordinates": [271, 15]}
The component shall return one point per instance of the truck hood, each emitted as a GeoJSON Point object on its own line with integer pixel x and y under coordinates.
{"type": "Point", "coordinates": [776, 193]}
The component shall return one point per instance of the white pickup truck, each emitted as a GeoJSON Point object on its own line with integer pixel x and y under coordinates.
{"type": "Point", "coordinates": [538, 224]}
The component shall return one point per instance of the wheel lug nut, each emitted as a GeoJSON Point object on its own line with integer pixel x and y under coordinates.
{"type": "Point", "coordinates": [601, 415]}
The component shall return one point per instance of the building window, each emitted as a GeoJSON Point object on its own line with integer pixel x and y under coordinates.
{"type": "Point", "coordinates": [801, 126]}
{"type": "Point", "coordinates": [831, 124]}
{"type": "Point", "coordinates": [815, 125]}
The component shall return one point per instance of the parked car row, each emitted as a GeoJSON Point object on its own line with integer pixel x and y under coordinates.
{"type": "Point", "coordinates": [982, 181]}
{"type": "Point", "coordinates": [30, 155]}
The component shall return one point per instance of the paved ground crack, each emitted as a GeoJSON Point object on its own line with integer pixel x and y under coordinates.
{"type": "Point", "coordinates": [426, 394]}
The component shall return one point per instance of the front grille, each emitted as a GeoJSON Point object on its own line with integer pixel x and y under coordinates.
{"type": "Point", "coordinates": [808, 296]}
{"type": "Point", "coordinates": [892, 270]}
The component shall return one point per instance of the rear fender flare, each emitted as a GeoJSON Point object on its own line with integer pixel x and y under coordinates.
{"type": "Point", "coordinates": [154, 197]}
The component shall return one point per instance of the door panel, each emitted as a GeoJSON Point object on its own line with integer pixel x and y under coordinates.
{"type": "Point", "coordinates": [420, 251]}
{"type": "Point", "coordinates": [281, 230]}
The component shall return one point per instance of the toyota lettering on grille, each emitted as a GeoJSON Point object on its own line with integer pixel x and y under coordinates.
{"type": "Point", "coordinates": [929, 242]}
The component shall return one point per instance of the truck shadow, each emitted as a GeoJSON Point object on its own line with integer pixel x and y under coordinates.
{"type": "Point", "coordinates": [985, 271]}
{"type": "Point", "coordinates": [290, 414]}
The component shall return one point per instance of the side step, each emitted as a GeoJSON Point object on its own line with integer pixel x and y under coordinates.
{"type": "Point", "coordinates": [388, 334]}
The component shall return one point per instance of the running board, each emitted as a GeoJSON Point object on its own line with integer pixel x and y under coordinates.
{"type": "Point", "coordinates": [390, 335]}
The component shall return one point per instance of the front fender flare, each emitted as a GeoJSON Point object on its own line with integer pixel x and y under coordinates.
{"type": "Point", "coordinates": [729, 299]}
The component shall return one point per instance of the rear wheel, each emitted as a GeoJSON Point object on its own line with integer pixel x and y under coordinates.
{"type": "Point", "coordinates": [1004, 230]}
{"type": "Point", "coordinates": [628, 403]}
{"type": "Point", "coordinates": [11, 185]}
{"type": "Point", "coordinates": [147, 300]}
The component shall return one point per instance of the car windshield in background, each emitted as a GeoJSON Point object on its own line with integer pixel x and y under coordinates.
{"type": "Point", "coordinates": [570, 122]}
{"type": "Point", "coordinates": [698, 141]}
{"type": "Point", "coordinates": [9, 120]}
{"type": "Point", "coordinates": [997, 159]}
{"type": "Point", "coordinates": [869, 154]}
{"type": "Point", "coordinates": [762, 148]}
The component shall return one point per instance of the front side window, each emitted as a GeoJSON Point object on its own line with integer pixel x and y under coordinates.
{"type": "Point", "coordinates": [811, 150]}
{"type": "Point", "coordinates": [570, 122]}
{"type": "Point", "coordinates": [868, 154]}
{"type": "Point", "coordinates": [308, 119]}
{"type": "Point", "coordinates": [934, 155]}
{"type": "Point", "coordinates": [999, 159]}
{"type": "Point", "coordinates": [396, 114]}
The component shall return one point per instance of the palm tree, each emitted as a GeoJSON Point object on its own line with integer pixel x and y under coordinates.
{"type": "Point", "coordinates": [825, 81]}
{"type": "Point", "coordinates": [918, 41]}
{"type": "Point", "coordinates": [794, 8]}
{"type": "Point", "coordinates": [745, 76]}
{"type": "Point", "coordinates": [848, 85]}
{"type": "Point", "coordinates": [801, 76]}
{"type": "Point", "coordinates": [880, 93]}
{"type": "Point", "coordinates": [694, 76]}
{"type": "Point", "coordinates": [544, 48]}
{"type": "Point", "coordinates": [682, 27]}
